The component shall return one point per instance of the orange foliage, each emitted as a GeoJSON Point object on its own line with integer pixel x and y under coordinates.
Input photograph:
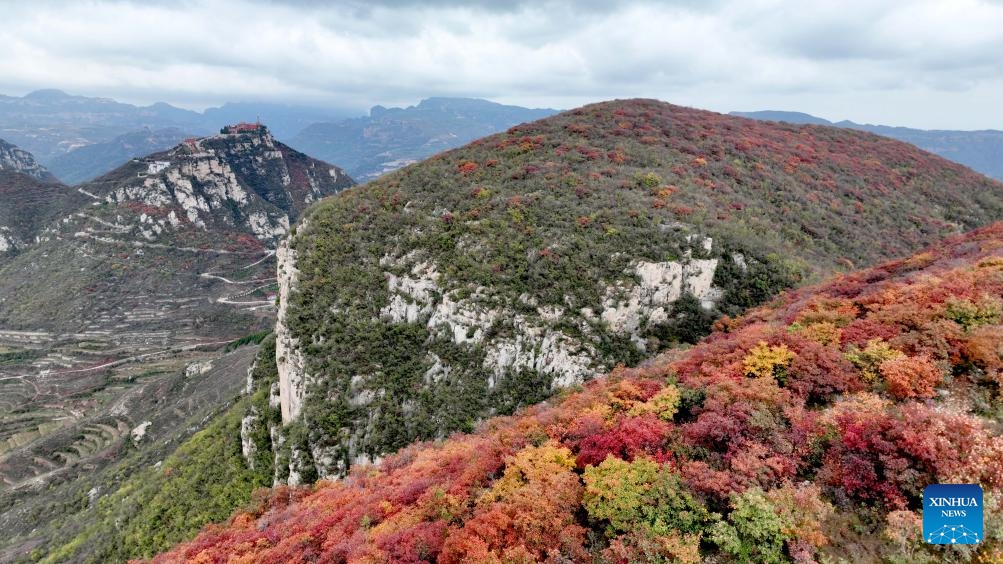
{"type": "Point", "coordinates": [911, 376]}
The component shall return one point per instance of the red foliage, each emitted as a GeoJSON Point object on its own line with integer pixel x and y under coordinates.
{"type": "Point", "coordinates": [466, 167]}
{"type": "Point", "coordinates": [629, 437]}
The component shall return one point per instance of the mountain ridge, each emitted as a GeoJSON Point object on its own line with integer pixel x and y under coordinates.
{"type": "Point", "coordinates": [493, 294]}
{"type": "Point", "coordinates": [390, 138]}
{"type": "Point", "coordinates": [981, 150]}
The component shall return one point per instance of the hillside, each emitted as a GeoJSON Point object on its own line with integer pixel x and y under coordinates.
{"type": "Point", "coordinates": [390, 138]}
{"type": "Point", "coordinates": [805, 429]}
{"type": "Point", "coordinates": [90, 161]}
{"type": "Point", "coordinates": [30, 198]}
{"type": "Point", "coordinates": [980, 150]}
{"type": "Point", "coordinates": [486, 278]}
{"type": "Point", "coordinates": [116, 323]}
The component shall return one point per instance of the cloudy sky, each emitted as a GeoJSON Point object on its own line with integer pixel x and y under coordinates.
{"type": "Point", "coordinates": [930, 64]}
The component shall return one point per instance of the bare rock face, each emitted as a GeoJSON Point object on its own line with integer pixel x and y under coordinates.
{"type": "Point", "coordinates": [288, 357]}
{"type": "Point", "coordinates": [21, 161]}
{"type": "Point", "coordinates": [246, 182]}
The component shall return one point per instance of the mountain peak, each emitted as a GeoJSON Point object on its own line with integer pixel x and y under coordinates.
{"type": "Point", "coordinates": [47, 95]}
{"type": "Point", "coordinates": [240, 180]}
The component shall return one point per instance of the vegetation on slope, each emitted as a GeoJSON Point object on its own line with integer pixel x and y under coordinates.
{"type": "Point", "coordinates": [543, 226]}
{"type": "Point", "coordinates": [806, 429]}
{"type": "Point", "coordinates": [28, 205]}
{"type": "Point", "coordinates": [204, 480]}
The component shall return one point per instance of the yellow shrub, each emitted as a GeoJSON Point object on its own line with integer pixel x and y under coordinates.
{"type": "Point", "coordinates": [663, 404]}
{"type": "Point", "coordinates": [764, 360]}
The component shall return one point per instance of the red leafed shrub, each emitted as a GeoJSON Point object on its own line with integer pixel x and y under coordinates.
{"type": "Point", "coordinates": [629, 437]}
{"type": "Point", "coordinates": [466, 167]}
{"type": "Point", "coordinates": [911, 376]}
{"type": "Point", "coordinates": [421, 543]}
{"type": "Point", "coordinates": [817, 372]}
{"type": "Point", "coordinates": [862, 330]}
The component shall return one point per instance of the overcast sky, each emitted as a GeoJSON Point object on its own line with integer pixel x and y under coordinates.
{"type": "Point", "coordinates": [930, 64]}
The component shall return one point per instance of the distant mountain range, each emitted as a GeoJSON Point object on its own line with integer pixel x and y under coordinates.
{"type": "Point", "coordinates": [390, 138]}
{"type": "Point", "coordinates": [79, 138]}
{"type": "Point", "coordinates": [51, 123]}
{"type": "Point", "coordinates": [981, 150]}
{"type": "Point", "coordinates": [90, 161]}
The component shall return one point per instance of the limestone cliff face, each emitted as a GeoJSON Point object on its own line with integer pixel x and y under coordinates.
{"type": "Point", "coordinates": [288, 357]}
{"type": "Point", "coordinates": [247, 182]}
{"type": "Point", "coordinates": [473, 337]}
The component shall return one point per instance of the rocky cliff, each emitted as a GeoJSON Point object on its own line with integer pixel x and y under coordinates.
{"type": "Point", "coordinates": [489, 277]}
{"type": "Point", "coordinates": [14, 159]}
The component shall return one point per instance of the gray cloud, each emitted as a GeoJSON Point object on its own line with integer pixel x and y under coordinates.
{"type": "Point", "coordinates": [927, 63]}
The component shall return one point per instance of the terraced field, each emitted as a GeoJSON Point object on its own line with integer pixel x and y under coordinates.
{"type": "Point", "coordinates": [76, 437]}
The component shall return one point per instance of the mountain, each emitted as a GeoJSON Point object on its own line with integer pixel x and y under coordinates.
{"type": "Point", "coordinates": [30, 198]}
{"type": "Point", "coordinates": [980, 150]}
{"type": "Point", "coordinates": [52, 123]}
{"type": "Point", "coordinates": [13, 159]}
{"type": "Point", "coordinates": [805, 431]}
{"type": "Point", "coordinates": [488, 277]}
{"type": "Point", "coordinates": [284, 121]}
{"type": "Point", "coordinates": [390, 138]}
{"type": "Point", "coordinates": [122, 321]}
{"type": "Point", "coordinates": [90, 161]}
{"type": "Point", "coordinates": [154, 226]}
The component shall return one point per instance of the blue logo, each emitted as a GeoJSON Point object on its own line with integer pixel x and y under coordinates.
{"type": "Point", "coordinates": [952, 514]}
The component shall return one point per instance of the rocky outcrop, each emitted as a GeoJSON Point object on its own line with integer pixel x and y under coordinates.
{"type": "Point", "coordinates": [535, 345]}
{"type": "Point", "coordinates": [658, 285]}
{"type": "Point", "coordinates": [288, 358]}
{"type": "Point", "coordinates": [17, 160]}
{"type": "Point", "coordinates": [244, 182]}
